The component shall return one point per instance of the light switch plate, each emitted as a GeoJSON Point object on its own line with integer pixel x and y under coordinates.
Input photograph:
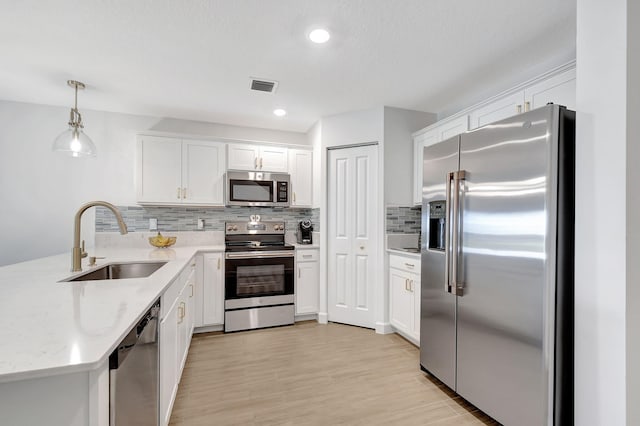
{"type": "Point", "coordinates": [200, 224]}
{"type": "Point", "coordinates": [153, 224]}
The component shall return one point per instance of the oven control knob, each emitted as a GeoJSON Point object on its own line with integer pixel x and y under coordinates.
{"type": "Point", "coordinates": [235, 227]}
{"type": "Point", "coordinates": [229, 228]}
{"type": "Point", "coordinates": [278, 227]}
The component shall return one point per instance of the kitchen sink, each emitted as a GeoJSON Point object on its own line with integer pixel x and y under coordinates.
{"type": "Point", "coordinates": [119, 271]}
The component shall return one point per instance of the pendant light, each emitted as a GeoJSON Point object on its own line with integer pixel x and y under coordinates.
{"type": "Point", "coordinates": [73, 141]}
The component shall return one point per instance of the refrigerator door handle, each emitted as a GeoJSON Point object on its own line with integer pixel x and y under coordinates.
{"type": "Point", "coordinates": [447, 233]}
{"type": "Point", "coordinates": [456, 285]}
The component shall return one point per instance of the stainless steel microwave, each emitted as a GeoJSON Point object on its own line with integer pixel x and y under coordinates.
{"type": "Point", "coordinates": [257, 189]}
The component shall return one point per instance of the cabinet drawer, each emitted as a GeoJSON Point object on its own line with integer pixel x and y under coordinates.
{"type": "Point", "coordinates": [173, 291]}
{"type": "Point", "coordinates": [403, 263]}
{"type": "Point", "coordinates": [307, 255]}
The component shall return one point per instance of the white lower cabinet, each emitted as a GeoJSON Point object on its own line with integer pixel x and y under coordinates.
{"type": "Point", "coordinates": [176, 327]}
{"type": "Point", "coordinates": [404, 296]}
{"type": "Point", "coordinates": [307, 278]}
{"type": "Point", "coordinates": [213, 289]}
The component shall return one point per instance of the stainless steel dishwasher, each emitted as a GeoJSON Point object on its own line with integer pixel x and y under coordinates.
{"type": "Point", "coordinates": [133, 374]}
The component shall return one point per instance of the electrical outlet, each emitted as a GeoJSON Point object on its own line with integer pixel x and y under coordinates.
{"type": "Point", "coordinates": [153, 224]}
{"type": "Point", "coordinates": [200, 224]}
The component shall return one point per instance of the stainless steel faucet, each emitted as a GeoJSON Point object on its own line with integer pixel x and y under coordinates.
{"type": "Point", "coordinates": [78, 252]}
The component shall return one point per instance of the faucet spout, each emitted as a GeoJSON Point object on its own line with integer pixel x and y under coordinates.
{"type": "Point", "coordinates": [77, 252]}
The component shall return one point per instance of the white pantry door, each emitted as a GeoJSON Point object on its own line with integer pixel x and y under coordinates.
{"type": "Point", "coordinates": [352, 234]}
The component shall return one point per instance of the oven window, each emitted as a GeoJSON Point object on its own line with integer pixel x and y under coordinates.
{"type": "Point", "coordinates": [248, 190]}
{"type": "Point", "coordinates": [260, 280]}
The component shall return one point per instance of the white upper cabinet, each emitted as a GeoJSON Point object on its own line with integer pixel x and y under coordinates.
{"type": "Point", "coordinates": [301, 171]}
{"type": "Point", "coordinates": [203, 172]}
{"type": "Point", "coordinates": [259, 158]}
{"type": "Point", "coordinates": [172, 171]}
{"type": "Point", "coordinates": [502, 108]}
{"type": "Point", "coordinates": [434, 134]}
{"type": "Point", "coordinates": [159, 174]}
{"type": "Point", "coordinates": [559, 89]}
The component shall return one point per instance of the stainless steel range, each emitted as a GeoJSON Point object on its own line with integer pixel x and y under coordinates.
{"type": "Point", "coordinates": [259, 274]}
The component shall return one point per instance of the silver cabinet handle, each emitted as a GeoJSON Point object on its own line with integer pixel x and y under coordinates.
{"type": "Point", "coordinates": [307, 255]}
{"type": "Point", "coordinates": [409, 265]}
{"type": "Point", "coordinates": [527, 106]}
{"type": "Point", "coordinates": [447, 234]}
{"type": "Point", "coordinates": [411, 286]}
{"type": "Point", "coordinates": [184, 193]}
{"type": "Point", "coordinates": [518, 109]}
{"type": "Point", "coordinates": [255, 163]}
{"type": "Point", "coordinates": [298, 272]}
{"type": "Point", "coordinates": [191, 285]}
{"type": "Point", "coordinates": [178, 194]}
{"type": "Point", "coordinates": [260, 162]}
{"type": "Point", "coordinates": [406, 284]}
{"type": "Point", "coordinates": [218, 263]}
{"type": "Point", "coordinates": [294, 196]}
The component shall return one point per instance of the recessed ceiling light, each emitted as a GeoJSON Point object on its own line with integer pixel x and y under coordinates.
{"type": "Point", "coordinates": [280, 112]}
{"type": "Point", "coordinates": [319, 35]}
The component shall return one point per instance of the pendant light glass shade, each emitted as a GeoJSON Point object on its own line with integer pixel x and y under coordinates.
{"type": "Point", "coordinates": [73, 141]}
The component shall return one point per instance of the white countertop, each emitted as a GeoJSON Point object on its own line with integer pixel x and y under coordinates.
{"type": "Point", "coordinates": [48, 327]}
{"type": "Point", "coordinates": [403, 252]}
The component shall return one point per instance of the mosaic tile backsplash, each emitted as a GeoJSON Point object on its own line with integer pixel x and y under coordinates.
{"type": "Point", "coordinates": [403, 220]}
{"type": "Point", "coordinates": [185, 218]}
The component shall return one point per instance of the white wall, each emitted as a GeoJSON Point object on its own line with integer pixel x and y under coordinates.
{"type": "Point", "coordinates": [601, 98]}
{"type": "Point", "coordinates": [42, 190]}
{"type": "Point", "coordinates": [314, 138]}
{"type": "Point", "coordinates": [399, 124]}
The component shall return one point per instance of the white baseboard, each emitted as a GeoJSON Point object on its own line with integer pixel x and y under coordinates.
{"type": "Point", "coordinates": [208, 328]}
{"type": "Point", "coordinates": [323, 318]}
{"type": "Point", "coordinates": [306, 317]}
{"type": "Point", "coordinates": [384, 328]}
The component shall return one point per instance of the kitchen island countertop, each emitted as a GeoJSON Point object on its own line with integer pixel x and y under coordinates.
{"type": "Point", "coordinates": [51, 327]}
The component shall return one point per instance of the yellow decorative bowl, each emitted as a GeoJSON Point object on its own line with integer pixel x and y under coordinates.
{"type": "Point", "coordinates": [160, 241]}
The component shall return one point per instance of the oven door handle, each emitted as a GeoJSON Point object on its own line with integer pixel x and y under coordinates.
{"type": "Point", "coordinates": [259, 255]}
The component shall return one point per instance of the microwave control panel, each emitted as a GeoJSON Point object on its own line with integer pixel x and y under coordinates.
{"type": "Point", "coordinates": [283, 192]}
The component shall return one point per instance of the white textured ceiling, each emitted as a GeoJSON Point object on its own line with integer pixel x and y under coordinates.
{"type": "Point", "coordinates": [192, 59]}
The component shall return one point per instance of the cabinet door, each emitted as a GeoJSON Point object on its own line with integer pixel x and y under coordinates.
{"type": "Point", "coordinates": [273, 159]}
{"type": "Point", "coordinates": [308, 288]}
{"type": "Point", "coordinates": [502, 108]}
{"type": "Point", "coordinates": [242, 157]}
{"type": "Point", "coordinates": [202, 172]}
{"type": "Point", "coordinates": [414, 285]}
{"type": "Point", "coordinates": [213, 289]}
{"type": "Point", "coordinates": [198, 280]}
{"type": "Point", "coordinates": [159, 170]}
{"type": "Point", "coordinates": [401, 300]}
{"type": "Point", "coordinates": [183, 330]}
{"type": "Point", "coordinates": [168, 363]}
{"type": "Point", "coordinates": [559, 89]}
{"type": "Point", "coordinates": [301, 171]}
{"type": "Point", "coordinates": [420, 141]}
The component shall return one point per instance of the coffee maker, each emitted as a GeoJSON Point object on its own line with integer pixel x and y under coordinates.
{"type": "Point", "coordinates": [305, 228]}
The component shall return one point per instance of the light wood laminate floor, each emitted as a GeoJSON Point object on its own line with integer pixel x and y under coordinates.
{"type": "Point", "coordinates": [312, 374]}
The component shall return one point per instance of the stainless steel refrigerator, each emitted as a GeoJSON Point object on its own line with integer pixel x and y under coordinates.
{"type": "Point", "coordinates": [497, 266]}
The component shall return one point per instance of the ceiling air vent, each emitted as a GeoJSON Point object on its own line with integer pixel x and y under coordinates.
{"type": "Point", "coordinates": [263, 85]}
